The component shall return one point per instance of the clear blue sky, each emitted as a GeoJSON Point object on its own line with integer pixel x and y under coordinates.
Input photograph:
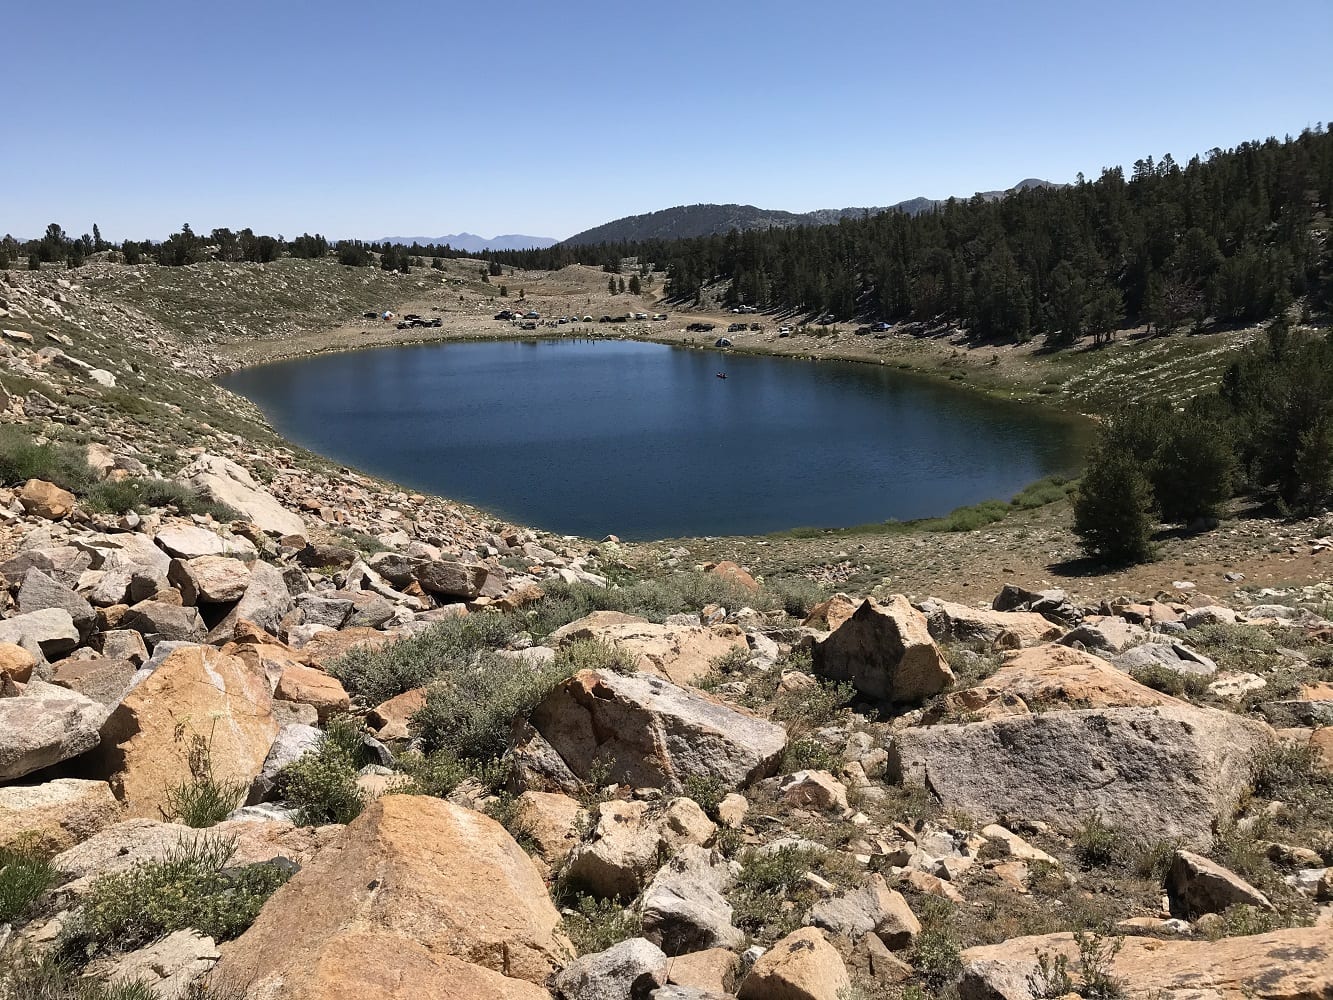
{"type": "Point", "coordinates": [374, 117]}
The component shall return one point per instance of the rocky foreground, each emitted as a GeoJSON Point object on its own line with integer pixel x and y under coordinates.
{"type": "Point", "coordinates": [1020, 801]}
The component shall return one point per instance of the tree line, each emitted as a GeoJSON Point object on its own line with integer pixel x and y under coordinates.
{"type": "Point", "coordinates": [1232, 236]}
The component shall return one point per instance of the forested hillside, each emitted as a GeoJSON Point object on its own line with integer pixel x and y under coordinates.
{"type": "Point", "coordinates": [1232, 236]}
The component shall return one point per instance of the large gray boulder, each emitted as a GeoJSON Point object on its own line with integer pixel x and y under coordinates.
{"type": "Point", "coordinates": [452, 579]}
{"type": "Point", "coordinates": [189, 541]}
{"type": "Point", "coordinates": [61, 562]}
{"type": "Point", "coordinates": [650, 733]}
{"type": "Point", "coordinates": [45, 725]}
{"type": "Point", "coordinates": [50, 632]}
{"type": "Point", "coordinates": [40, 592]}
{"type": "Point", "coordinates": [1163, 772]}
{"type": "Point", "coordinates": [1171, 655]}
{"type": "Point", "coordinates": [683, 907]}
{"type": "Point", "coordinates": [886, 652]}
{"type": "Point", "coordinates": [164, 622]}
{"type": "Point", "coordinates": [630, 970]}
{"type": "Point", "coordinates": [223, 481]}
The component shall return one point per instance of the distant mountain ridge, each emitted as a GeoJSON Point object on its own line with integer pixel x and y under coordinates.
{"type": "Point", "coordinates": [473, 243]}
{"type": "Point", "coordinates": [686, 221]}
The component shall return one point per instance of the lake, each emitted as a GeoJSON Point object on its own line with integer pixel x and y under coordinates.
{"type": "Point", "coordinates": [642, 440]}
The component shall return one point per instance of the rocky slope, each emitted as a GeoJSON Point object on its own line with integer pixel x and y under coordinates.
{"type": "Point", "coordinates": [269, 728]}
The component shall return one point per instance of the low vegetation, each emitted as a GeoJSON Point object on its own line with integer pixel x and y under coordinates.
{"type": "Point", "coordinates": [321, 785]}
{"type": "Point", "coordinates": [25, 876]}
{"type": "Point", "coordinates": [193, 886]}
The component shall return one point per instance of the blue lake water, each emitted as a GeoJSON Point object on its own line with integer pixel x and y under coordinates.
{"type": "Point", "coordinates": [644, 441]}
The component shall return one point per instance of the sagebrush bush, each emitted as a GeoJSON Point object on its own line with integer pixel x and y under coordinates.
{"type": "Point", "coordinates": [321, 784]}
{"type": "Point", "coordinates": [593, 654]}
{"type": "Point", "coordinates": [120, 496]}
{"type": "Point", "coordinates": [193, 886]}
{"type": "Point", "coordinates": [22, 458]}
{"type": "Point", "coordinates": [379, 674]}
{"type": "Point", "coordinates": [469, 709]}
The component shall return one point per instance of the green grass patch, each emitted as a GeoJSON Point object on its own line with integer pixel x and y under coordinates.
{"type": "Point", "coordinates": [24, 879]}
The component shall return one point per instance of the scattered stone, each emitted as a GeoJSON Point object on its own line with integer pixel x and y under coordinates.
{"type": "Point", "coordinates": [629, 842]}
{"type": "Point", "coordinates": [885, 651]}
{"type": "Point", "coordinates": [802, 966]}
{"type": "Point", "coordinates": [873, 909]}
{"type": "Point", "coordinates": [46, 500]}
{"type": "Point", "coordinates": [45, 725]}
{"type": "Point", "coordinates": [654, 733]}
{"type": "Point", "coordinates": [816, 789]}
{"type": "Point", "coordinates": [683, 907]}
{"type": "Point", "coordinates": [1195, 886]}
{"type": "Point", "coordinates": [625, 971]}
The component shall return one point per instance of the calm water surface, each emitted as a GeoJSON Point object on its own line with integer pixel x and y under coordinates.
{"type": "Point", "coordinates": [644, 441]}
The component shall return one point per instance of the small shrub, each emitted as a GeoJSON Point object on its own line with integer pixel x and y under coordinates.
{"type": "Point", "coordinates": [322, 786]}
{"type": "Point", "coordinates": [380, 674]}
{"type": "Point", "coordinates": [124, 495]}
{"type": "Point", "coordinates": [192, 887]}
{"type": "Point", "coordinates": [705, 790]}
{"type": "Point", "coordinates": [593, 654]}
{"type": "Point", "coordinates": [810, 754]}
{"type": "Point", "coordinates": [1095, 956]}
{"type": "Point", "coordinates": [796, 595]}
{"type": "Point", "coordinates": [24, 879]}
{"type": "Point", "coordinates": [936, 954]}
{"type": "Point", "coordinates": [439, 773]}
{"type": "Point", "coordinates": [22, 458]}
{"type": "Point", "coordinates": [469, 710]}
{"type": "Point", "coordinates": [1172, 682]}
{"type": "Point", "coordinates": [204, 800]}
{"type": "Point", "coordinates": [1097, 845]}
{"type": "Point", "coordinates": [768, 883]}
{"type": "Point", "coordinates": [594, 925]}
{"type": "Point", "coordinates": [25, 975]}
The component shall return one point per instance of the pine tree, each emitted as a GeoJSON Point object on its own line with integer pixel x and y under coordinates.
{"type": "Point", "coordinates": [1113, 509]}
{"type": "Point", "coordinates": [635, 287]}
{"type": "Point", "coordinates": [611, 285]}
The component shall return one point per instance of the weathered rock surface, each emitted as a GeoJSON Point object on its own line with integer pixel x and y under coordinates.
{"type": "Point", "coordinates": [1165, 772]}
{"type": "Point", "coordinates": [654, 733]}
{"type": "Point", "coordinates": [55, 815]}
{"type": "Point", "coordinates": [291, 743]}
{"type": "Point", "coordinates": [802, 966]}
{"type": "Point", "coordinates": [684, 909]}
{"type": "Point", "coordinates": [427, 879]}
{"type": "Point", "coordinates": [1055, 674]}
{"type": "Point", "coordinates": [625, 971]}
{"type": "Point", "coordinates": [1294, 964]}
{"type": "Point", "coordinates": [196, 691]}
{"type": "Point", "coordinates": [680, 653]}
{"type": "Point", "coordinates": [552, 821]}
{"type": "Point", "coordinates": [223, 481]}
{"type": "Point", "coordinates": [309, 686]}
{"type": "Point", "coordinates": [886, 652]}
{"type": "Point", "coordinates": [39, 592]}
{"type": "Point", "coordinates": [629, 842]}
{"type": "Point", "coordinates": [167, 967]}
{"type": "Point", "coordinates": [45, 725]}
